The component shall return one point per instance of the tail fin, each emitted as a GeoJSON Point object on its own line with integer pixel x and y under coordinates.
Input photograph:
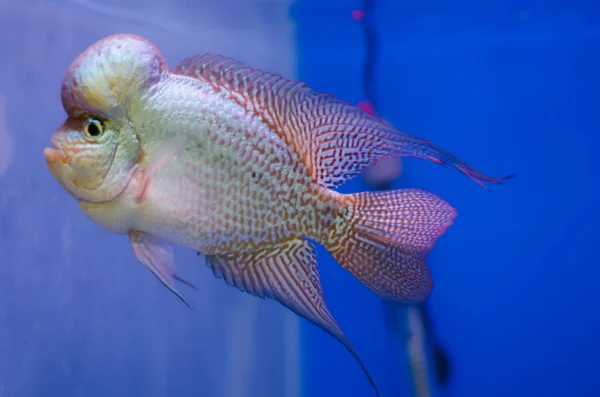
{"type": "Point", "coordinates": [387, 238]}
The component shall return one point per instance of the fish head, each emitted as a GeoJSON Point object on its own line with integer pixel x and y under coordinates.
{"type": "Point", "coordinates": [91, 159]}
{"type": "Point", "coordinates": [94, 153]}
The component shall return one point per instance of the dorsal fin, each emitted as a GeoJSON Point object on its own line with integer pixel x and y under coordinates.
{"type": "Point", "coordinates": [335, 139]}
{"type": "Point", "coordinates": [270, 94]}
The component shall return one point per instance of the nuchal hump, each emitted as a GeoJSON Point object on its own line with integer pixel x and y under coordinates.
{"type": "Point", "coordinates": [110, 76]}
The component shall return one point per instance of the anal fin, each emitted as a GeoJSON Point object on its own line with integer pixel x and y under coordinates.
{"type": "Point", "coordinates": [157, 255]}
{"type": "Point", "coordinates": [287, 273]}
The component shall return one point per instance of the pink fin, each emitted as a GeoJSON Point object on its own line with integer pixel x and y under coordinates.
{"type": "Point", "coordinates": [157, 256]}
{"type": "Point", "coordinates": [156, 160]}
{"type": "Point", "coordinates": [336, 139]}
{"type": "Point", "coordinates": [388, 239]}
{"type": "Point", "coordinates": [287, 273]}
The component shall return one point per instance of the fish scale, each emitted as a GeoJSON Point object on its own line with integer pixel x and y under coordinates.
{"type": "Point", "coordinates": [223, 138]}
{"type": "Point", "coordinates": [225, 165]}
{"type": "Point", "coordinates": [241, 165]}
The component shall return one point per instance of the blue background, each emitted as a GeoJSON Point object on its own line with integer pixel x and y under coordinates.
{"type": "Point", "coordinates": [509, 87]}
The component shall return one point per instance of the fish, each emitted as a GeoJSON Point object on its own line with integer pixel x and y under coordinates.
{"type": "Point", "coordinates": [243, 166]}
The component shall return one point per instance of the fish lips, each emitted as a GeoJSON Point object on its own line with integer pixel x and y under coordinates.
{"type": "Point", "coordinates": [59, 166]}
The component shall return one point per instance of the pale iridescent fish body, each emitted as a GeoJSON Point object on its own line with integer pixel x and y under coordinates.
{"type": "Point", "coordinates": [240, 165]}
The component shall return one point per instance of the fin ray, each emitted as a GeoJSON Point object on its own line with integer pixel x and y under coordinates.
{"type": "Point", "coordinates": [335, 139]}
{"type": "Point", "coordinates": [288, 274]}
{"type": "Point", "coordinates": [157, 256]}
{"type": "Point", "coordinates": [387, 238]}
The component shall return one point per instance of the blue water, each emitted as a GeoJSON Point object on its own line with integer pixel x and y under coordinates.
{"type": "Point", "coordinates": [508, 86]}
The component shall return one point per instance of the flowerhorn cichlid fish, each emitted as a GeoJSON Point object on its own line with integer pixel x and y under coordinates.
{"type": "Point", "coordinates": [241, 166]}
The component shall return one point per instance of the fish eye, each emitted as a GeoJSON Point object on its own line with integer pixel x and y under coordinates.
{"type": "Point", "coordinates": [93, 128]}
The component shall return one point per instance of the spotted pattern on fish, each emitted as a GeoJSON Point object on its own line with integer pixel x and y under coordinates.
{"type": "Point", "coordinates": [238, 183]}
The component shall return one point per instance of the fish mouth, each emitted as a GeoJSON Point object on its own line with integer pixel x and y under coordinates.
{"type": "Point", "coordinates": [58, 165]}
{"type": "Point", "coordinates": [61, 166]}
{"type": "Point", "coordinates": [54, 154]}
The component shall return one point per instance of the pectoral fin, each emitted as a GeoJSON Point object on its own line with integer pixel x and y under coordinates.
{"type": "Point", "coordinates": [156, 160]}
{"type": "Point", "coordinates": [157, 256]}
{"type": "Point", "coordinates": [287, 273]}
